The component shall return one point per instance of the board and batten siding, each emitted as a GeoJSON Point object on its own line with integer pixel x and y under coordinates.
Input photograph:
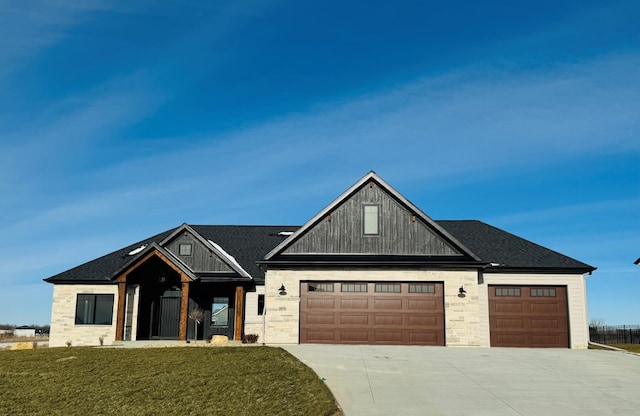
{"type": "Point", "coordinates": [202, 259]}
{"type": "Point", "coordinates": [576, 301]}
{"type": "Point", "coordinates": [400, 232]}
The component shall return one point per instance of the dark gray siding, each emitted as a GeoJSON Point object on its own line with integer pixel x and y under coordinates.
{"type": "Point", "coordinates": [201, 258]}
{"type": "Point", "coordinates": [400, 231]}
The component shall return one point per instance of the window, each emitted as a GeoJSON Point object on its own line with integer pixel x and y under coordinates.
{"type": "Point", "coordinates": [388, 287]}
{"type": "Point", "coordinates": [320, 287]}
{"type": "Point", "coordinates": [94, 309]}
{"type": "Point", "coordinates": [184, 249]}
{"type": "Point", "coordinates": [260, 304]}
{"type": "Point", "coordinates": [220, 311]}
{"type": "Point", "coordinates": [543, 292]}
{"type": "Point", "coordinates": [508, 291]}
{"type": "Point", "coordinates": [354, 287]}
{"type": "Point", "coordinates": [422, 288]}
{"type": "Point", "coordinates": [370, 219]}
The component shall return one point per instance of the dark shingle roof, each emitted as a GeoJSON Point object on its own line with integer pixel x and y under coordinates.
{"type": "Point", "coordinates": [494, 245]}
{"type": "Point", "coordinates": [245, 243]}
{"type": "Point", "coordinates": [249, 244]}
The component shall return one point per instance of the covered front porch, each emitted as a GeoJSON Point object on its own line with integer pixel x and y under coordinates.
{"type": "Point", "coordinates": [159, 299]}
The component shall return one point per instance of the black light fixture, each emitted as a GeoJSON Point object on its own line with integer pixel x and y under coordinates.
{"type": "Point", "coordinates": [162, 278]}
{"type": "Point", "coordinates": [282, 290]}
{"type": "Point", "coordinates": [461, 292]}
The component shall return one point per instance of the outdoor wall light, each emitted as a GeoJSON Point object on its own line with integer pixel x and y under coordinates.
{"type": "Point", "coordinates": [461, 292]}
{"type": "Point", "coordinates": [282, 290]}
{"type": "Point", "coordinates": [162, 278]}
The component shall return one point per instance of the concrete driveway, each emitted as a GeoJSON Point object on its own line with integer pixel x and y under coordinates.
{"type": "Point", "coordinates": [407, 380]}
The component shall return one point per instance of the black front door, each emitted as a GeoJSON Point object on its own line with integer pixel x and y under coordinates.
{"type": "Point", "coordinates": [166, 318]}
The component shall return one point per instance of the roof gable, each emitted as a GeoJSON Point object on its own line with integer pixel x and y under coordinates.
{"type": "Point", "coordinates": [204, 255]}
{"type": "Point", "coordinates": [404, 230]}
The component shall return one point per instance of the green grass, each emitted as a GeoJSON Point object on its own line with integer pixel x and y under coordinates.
{"type": "Point", "coordinates": [154, 381]}
{"type": "Point", "coordinates": [628, 347]}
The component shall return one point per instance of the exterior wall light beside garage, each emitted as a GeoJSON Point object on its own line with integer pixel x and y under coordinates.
{"type": "Point", "coordinates": [283, 290]}
{"type": "Point", "coordinates": [461, 292]}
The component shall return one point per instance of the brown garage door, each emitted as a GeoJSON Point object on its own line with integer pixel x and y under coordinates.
{"type": "Point", "coordinates": [372, 313]}
{"type": "Point", "coordinates": [528, 316]}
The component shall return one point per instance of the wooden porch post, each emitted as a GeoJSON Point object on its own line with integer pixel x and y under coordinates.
{"type": "Point", "coordinates": [237, 333]}
{"type": "Point", "coordinates": [184, 311]}
{"type": "Point", "coordinates": [122, 290]}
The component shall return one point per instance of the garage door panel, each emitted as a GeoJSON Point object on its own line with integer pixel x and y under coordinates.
{"type": "Point", "coordinates": [374, 314]}
{"type": "Point", "coordinates": [545, 323]}
{"type": "Point", "coordinates": [320, 336]}
{"type": "Point", "coordinates": [423, 304]}
{"type": "Point", "coordinates": [428, 321]}
{"type": "Point", "coordinates": [510, 307]}
{"type": "Point", "coordinates": [545, 308]}
{"type": "Point", "coordinates": [506, 323]}
{"type": "Point", "coordinates": [510, 340]}
{"type": "Point", "coordinates": [383, 304]}
{"type": "Point", "coordinates": [315, 319]}
{"type": "Point", "coordinates": [386, 320]}
{"type": "Point", "coordinates": [424, 338]}
{"type": "Point", "coordinates": [528, 316]}
{"type": "Point", "coordinates": [351, 319]}
{"type": "Point", "coordinates": [545, 340]}
{"type": "Point", "coordinates": [354, 304]}
{"type": "Point", "coordinates": [360, 337]}
{"type": "Point", "coordinates": [388, 337]}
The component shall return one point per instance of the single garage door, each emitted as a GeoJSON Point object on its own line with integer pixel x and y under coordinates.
{"type": "Point", "coordinates": [528, 316]}
{"type": "Point", "coordinates": [410, 313]}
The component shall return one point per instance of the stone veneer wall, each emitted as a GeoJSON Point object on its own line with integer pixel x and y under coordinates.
{"type": "Point", "coordinates": [63, 315]}
{"type": "Point", "coordinates": [461, 318]}
{"type": "Point", "coordinates": [576, 297]}
{"type": "Point", "coordinates": [253, 323]}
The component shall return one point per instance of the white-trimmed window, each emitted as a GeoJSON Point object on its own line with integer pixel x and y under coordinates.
{"type": "Point", "coordinates": [370, 219]}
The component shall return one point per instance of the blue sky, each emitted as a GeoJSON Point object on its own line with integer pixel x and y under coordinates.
{"type": "Point", "coordinates": [119, 120]}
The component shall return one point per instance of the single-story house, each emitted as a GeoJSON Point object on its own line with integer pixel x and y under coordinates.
{"type": "Point", "coordinates": [24, 331]}
{"type": "Point", "coordinates": [369, 268]}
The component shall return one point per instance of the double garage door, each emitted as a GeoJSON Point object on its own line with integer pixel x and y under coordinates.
{"type": "Point", "coordinates": [412, 313]}
{"type": "Point", "coordinates": [372, 313]}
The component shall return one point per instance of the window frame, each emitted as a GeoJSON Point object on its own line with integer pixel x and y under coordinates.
{"type": "Point", "coordinates": [320, 287]}
{"type": "Point", "coordinates": [387, 287]}
{"type": "Point", "coordinates": [542, 292]}
{"type": "Point", "coordinates": [261, 304]}
{"type": "Point", "coordinates": [185, 245]}
{"type": "Point", "coordinates": [366, 231]}
{"type": "Point", "coordinates": [428, 288]}
{"type": "Point", "coordinates": [94, 308]}
{"type": "Point", "coordinates": [505, 292]}
{"type": "Point", "coordinates": [227, 321]}
{"type": "Point", "coordinates": [353, 285]}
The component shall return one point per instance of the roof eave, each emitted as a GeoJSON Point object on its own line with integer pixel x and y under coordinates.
{"type": "Point", "coordinates": [540, 270]}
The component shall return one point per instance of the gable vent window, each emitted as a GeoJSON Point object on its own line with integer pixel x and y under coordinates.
{"type": "Point", "coordinates": [184, 249]}
{"type": "Point", "coordinates": [370, 219]}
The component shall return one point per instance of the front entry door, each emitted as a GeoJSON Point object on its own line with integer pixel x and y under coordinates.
{"type": "Point", "coordinates": [167, 318]}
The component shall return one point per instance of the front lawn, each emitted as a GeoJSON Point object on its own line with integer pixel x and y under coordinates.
{"type": "Point", "coordinates": [628, 347]}
{"type": "Point", "coordinates": [153, 381]}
